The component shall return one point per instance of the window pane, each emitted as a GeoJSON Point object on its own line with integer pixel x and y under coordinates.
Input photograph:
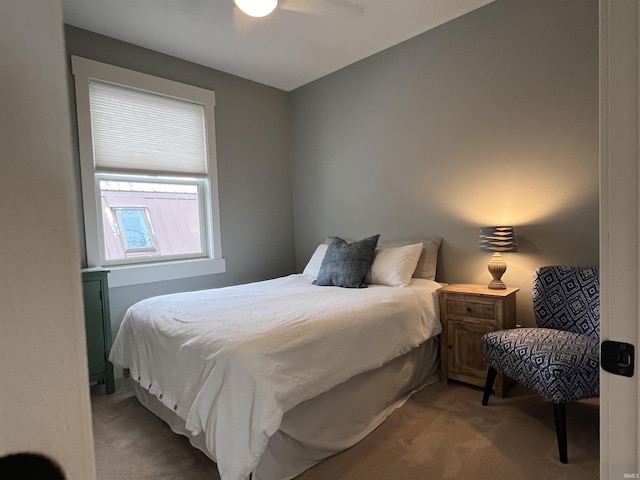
{"type": "Point", "coordinates": [150, 219]}
{"type": "Point", "coordinates": [134, 228]}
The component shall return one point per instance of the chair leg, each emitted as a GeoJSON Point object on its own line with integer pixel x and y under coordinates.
{"type": "Point", "coordinates": [560, 415]}
{"type": "Point", "coordinates": [488, 386]}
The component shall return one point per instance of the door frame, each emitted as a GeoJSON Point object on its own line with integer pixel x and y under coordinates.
{"type": "Point", "coordinates": [619, 230]}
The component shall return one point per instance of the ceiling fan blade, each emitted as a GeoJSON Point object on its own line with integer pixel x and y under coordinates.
{"type": "Point", "coordinates": [317, 7]}
{"type": "Point", "coordinates": [349, 5]}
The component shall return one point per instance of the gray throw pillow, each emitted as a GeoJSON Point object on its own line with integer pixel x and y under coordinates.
{"type": "Point", "coordinates": [346, 264]}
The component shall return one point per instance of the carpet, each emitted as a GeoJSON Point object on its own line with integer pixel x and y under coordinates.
{"type": "Point", "coordinates": [442, 432]}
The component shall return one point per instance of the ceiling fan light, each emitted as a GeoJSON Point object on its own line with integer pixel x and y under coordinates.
{"type": "Point", "coordinates": [257, 8]}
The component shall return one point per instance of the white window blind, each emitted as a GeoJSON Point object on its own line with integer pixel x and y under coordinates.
{"type": "Point", "coordinates": [138, 131]}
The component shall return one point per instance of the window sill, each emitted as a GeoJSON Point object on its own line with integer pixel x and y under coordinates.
{"type": "Point", "coordinates": [157, 272]}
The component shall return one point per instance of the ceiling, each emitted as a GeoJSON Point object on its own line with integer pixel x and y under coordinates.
{"type": "Point", "coordinates": [301, 41]}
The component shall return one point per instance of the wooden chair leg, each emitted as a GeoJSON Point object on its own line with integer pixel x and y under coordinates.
{"type": "Point", "coordinates": [488, 386]}
{"type": "Point", "coordinates": [560, 415]}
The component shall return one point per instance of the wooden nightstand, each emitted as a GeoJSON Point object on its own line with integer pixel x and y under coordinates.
{"type": "Point", "coordinates": [467, 312]}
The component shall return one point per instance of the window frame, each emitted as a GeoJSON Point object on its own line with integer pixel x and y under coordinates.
{"type": "Point", "coordinates": [85, 70]}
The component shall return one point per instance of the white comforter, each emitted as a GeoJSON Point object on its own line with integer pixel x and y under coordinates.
{"type": "Point", "coordinates": [232, 361]}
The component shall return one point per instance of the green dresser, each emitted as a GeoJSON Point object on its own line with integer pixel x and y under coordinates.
{"type": "Point", "coordinates": [98, 325]}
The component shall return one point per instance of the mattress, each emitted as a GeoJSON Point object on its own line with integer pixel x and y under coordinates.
{"type": "Point", "coordinates": [231, 362]}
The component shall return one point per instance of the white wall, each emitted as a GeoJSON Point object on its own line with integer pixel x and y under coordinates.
{"type": "Point", "coordinates": [44, 393]}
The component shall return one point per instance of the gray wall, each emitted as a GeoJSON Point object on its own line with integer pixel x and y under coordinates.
{"type": "Point", "coordinates": [254, 167]}
{"type": "Point", "coordinates": [489, 119]}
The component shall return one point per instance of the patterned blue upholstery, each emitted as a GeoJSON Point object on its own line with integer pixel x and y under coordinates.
{"type": "Point", "coordinates": [567, 298]}
{"type": "Point", "coordinates": [559, 360]}
{"type": "Point", "coordinates": [562, 366]}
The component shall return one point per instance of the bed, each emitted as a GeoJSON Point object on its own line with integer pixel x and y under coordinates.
{"type": "Point", "coordinates": [269, 378]}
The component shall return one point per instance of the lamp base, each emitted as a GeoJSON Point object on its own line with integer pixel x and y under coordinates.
{"type": "Point", "coordinates": [497, 266]}
{"type": "Point", "coordinates": [497, 285]}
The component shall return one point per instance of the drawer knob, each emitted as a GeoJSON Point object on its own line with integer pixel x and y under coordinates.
{"type": "Point", "coordinates": [468, 309]}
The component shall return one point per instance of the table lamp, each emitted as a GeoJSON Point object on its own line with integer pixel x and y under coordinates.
{"type": "Point", "coordinates": [497, 240]}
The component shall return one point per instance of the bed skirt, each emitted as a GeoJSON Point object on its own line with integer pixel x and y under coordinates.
{"type": "Point", "coordinates": [331, 422]}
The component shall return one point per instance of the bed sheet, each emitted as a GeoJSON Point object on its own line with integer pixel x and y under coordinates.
{"type": "Point", "coordinates": [232, 361]}
{"type": "Point", "coordinates": [331, 422]}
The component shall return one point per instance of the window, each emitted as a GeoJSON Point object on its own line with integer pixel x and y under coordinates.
{"type": "Point", "coordinates": [134, 230]}
{"type": "Point", "coordinates": [147, 157]}
{"type": "Point", "coordinates": [147, 217]}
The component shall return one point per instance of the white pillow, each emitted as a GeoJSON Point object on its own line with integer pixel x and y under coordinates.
{"type": "Point", "coordinates": [394, 266]}
{"type": "Point", "coordinates": [428, 261]}
{"type": "Point", "coordinates": [313, 267]}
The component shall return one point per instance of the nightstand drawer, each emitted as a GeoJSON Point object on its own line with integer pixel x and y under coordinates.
{"type": "Point", "coordinates": [471, 309]}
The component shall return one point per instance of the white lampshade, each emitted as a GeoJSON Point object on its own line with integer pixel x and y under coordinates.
{"type": "Point", "coordinates": [257, 8]}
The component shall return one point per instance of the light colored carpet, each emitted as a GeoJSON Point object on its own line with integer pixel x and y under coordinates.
{"type": "Point", "coordinates": [442, 432]}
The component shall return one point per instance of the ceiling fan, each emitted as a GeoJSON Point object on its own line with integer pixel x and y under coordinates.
{"type": "Point", "coordinates": [262, 8]}
{"type": "Point", "coordinates": [257, 8]}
